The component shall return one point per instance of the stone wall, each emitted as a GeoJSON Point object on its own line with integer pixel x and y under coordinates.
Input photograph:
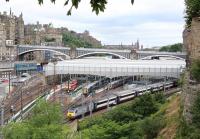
{"type": "Point", "coordinates": [191, 41]}
{"type": "Point", "coordinates": [189, 94]}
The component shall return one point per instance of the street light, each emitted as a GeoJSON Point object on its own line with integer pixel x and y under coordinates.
{"type": "Point", "coordinates": [54, 61]}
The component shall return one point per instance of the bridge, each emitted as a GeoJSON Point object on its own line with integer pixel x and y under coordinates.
{"type": "Point", "coordinates": [117, 67]}
{"type": "Point", "coordinates": [84, 52]}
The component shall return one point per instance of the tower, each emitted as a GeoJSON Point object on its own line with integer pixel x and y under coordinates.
{"type": "Point", "coordinates": [19, 30]}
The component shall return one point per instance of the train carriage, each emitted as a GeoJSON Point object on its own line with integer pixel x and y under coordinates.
{"type": "Point", "coordinates": [103, 102]}
{"type": "Point", "coordinates": [125, 95]}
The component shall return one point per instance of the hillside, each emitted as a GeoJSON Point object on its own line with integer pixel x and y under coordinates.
{"type": "Point", "coordinates": [73, 40]}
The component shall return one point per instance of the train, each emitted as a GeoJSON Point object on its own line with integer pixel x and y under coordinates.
{"type": "Point", "coordinates": [117, 98]}
{"type": "Point", "coordinates": [71, 86]}
{"type": "Point", "coordinates": [104, 84]}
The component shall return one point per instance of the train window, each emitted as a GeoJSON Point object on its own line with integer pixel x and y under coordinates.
{"type": "Point", "coordinates": [128, 95]}
{"type": "Point", "coordinates": [102, 102]}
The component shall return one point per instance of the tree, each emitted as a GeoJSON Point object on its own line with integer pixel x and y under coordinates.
{"type": "Point", "coordinates": [145, 106]}
{"type": "Point", "coordinates": [172, 48]}
{"type": "Point", "coordinates": [44, 123]}
{"type": "Point", "coordinates": [192, 10]}
{"type": "Point", "coordinates": [97, 5]}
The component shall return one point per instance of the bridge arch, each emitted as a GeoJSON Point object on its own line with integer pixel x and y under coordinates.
{"type": "Point", "coordinates": [158, 57]}
{"type": "Point", "coordinates": [42, 49]}
{"type": "Point", "coordinates": [115, 56]}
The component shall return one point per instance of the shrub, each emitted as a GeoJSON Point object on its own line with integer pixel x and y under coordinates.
{"type": "Point", "coordinates": [152, 126]}
{"type": "Point", "coordinates": [195, 70]}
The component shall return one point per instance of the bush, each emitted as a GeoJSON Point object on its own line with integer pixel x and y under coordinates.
{"type": "Point", "coordinates": [192, 130]}
{"type": "Point", "coordinates": [152, 126]}
{"type": "Point", "coordinates": [159, 98]}
{"type": "Point", "coordinates": [195, 70]}
{"type": "Point", "coordinates": [144, 106]}
{"type": "Point", "coordinates": [196, 112]}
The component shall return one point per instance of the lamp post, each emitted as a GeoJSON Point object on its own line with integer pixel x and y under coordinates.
{"type": "Point", "coordinates": [54, 83]}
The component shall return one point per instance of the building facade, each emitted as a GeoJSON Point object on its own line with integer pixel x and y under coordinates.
{"type": "Point", "coordinates": [38, 34]}
{"type": "Point", "coordinates": [11, 34]}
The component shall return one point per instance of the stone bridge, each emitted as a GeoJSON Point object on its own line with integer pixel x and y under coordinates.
{"type": "Point", "coordinates": [84, 52]}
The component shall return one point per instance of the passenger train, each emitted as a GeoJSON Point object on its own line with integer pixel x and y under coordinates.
{"type": "Point", "coordinates": [101, 85]}
{"type": "Point", "coordinates": [118, 97]}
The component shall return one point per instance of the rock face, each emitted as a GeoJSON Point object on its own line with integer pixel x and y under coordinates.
{"type": "Point", "coordinates": [189, 94]}
{"type": "Point", "coordinates": [191, 41]}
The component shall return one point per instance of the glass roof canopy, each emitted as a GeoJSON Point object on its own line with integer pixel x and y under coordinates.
{"type": "Point", "coordinates": [117, 67]}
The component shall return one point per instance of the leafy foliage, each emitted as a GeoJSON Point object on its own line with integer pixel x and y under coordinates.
{"type": "Point", "coordinates": [195, 70]}
{"type": "Point", "coordinates": [192, 130]}
{"type": "Point", "coordinates": [126, 121]}
{"type": "Point", "coordinates": [97, 5]}
{"type": "Point", "coordinates": [192, 10]}
{"type": "Point", "coordinates": [172, 48]}
{"type": "Point", "coordinates": [151, 126]}
{"type": "Point", "coordinates": [159, 97]}
{"type": "Point", "coordinates": [74, 41]}
{"type": "Point", "coordinates": [196, 112]}
{"type": "Point", "coordinates": [45, 123]}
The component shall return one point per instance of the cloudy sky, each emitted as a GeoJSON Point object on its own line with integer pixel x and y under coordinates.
{"type": "Point", "coordinates": [153, 22]}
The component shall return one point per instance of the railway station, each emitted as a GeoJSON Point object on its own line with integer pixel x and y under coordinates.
{"type": "Point", "coordinates": [117, 67]}
{"type": "Point", "coordinates": [108, 82]}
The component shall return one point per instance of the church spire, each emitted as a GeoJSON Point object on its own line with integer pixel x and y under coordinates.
{"type": "Point", "coordinates": [10, 11]}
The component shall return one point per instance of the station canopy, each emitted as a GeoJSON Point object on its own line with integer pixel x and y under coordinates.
{"type": "Point", "coordinates": [117, 67]}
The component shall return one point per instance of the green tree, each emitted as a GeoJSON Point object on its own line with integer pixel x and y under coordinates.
{"type": "Point", "coordinates": [172, 48]}
{"type": "Point", "coordinates": [44, 123]}
{"type": "Point", "coordinates": [145, 106]}
{"type": "Point", "coordinates": [74, 41]}
{"type": "Point", "coordinates": [192, 10]}
{"type": "Point", "coordinates": [97, 5]}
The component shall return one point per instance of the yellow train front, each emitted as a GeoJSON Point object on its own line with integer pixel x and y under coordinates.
{"type": "Point", "coordinates": [78, 111]}
{"type": "Point", "coordinates": [71, 113]}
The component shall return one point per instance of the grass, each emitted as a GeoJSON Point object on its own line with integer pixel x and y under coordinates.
{"type": "Point", "coordinates": [171, 116]}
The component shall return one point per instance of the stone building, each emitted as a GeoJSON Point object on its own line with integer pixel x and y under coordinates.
{"type": "Point", "coordinates": [14, 27]}
{"type": "Point", "coordinates": [11, 34]}
{"type": "Point", "coordinates": [38, 34]}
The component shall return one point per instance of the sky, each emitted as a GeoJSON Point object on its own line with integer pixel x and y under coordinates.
{"type": "Point", "coordinates": [152, 22]}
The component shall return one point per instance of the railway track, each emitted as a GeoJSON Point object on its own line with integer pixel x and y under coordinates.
{"type": "Point", "coordinates": [167, 94]}
{"type": "Point", "coordinates": [22, 96]}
